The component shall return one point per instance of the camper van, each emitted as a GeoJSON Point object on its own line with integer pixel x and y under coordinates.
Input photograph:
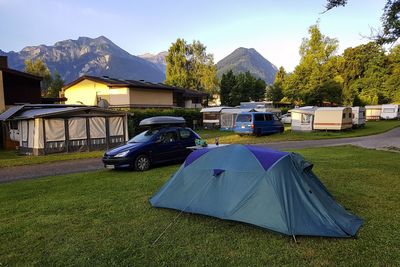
{"type": "Point", "coordinates": [333, 118]}
{"type": "Point", "coordinates": [258, 123]}
{"type": "Point", "coordinates": [303, 118]}
{"type": "Point", "coordinates": [390, 111]}
{"type": "Point", "coordinates": [358, 115]}
{"type": "Point", "coordinates": [373, 112]}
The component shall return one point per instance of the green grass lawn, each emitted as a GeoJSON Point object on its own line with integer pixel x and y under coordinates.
{"type": "Point", "coordinates": [372, 127]}
{"type": "Point", "coordinates": [9, 158]}
{"type": "Point", "coordinates": [104, 218]}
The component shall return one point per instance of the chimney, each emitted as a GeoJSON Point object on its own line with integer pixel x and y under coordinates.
{"type": "Point", "coordinates": [3, 62]}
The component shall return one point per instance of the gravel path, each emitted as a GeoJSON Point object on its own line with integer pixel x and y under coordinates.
{"type": "Point", "coordinates": [388, 140]}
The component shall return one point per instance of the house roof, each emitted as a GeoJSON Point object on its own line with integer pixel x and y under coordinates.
{"type": "Point", "coordinates": [112, 82]}
{"type": "Point", "coordinates": [21, 73]}
{"type": "Point", "coordinates": [31, 111]}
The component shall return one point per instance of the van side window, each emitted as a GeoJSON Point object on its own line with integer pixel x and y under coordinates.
{"type": "Point", "coordinates": [259, 117]}
{"type": "Point", "coordinates": [268, 117]}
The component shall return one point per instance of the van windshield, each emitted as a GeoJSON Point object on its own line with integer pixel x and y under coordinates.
{"type": "Point", "coordinates": [244, 118]}
{"type": "Point", "coordinates": [143, 137]}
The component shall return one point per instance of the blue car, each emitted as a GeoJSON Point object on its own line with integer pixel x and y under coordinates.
{"type": "Point", "coordinates": [153, 146]}
{"type": "Point", "coordinates": [258, 123]}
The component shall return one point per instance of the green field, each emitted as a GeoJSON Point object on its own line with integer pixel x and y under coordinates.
{"type": "Point", "coordinates": [372, 127]}
{"type": "Point", "coordinates": [104, 218]}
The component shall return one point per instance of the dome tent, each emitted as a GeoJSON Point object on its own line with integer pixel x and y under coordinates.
{"type": "Point", "coordinates": [260, 186]}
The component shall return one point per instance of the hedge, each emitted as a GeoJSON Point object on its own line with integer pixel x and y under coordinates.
{"type": "Point", "coordinates": [139, 114]}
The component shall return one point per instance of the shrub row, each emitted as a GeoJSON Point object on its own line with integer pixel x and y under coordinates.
{"type": "Point", "coordinates": [190, 115]}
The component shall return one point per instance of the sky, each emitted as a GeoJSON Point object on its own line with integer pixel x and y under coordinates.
{"type": "Point", "coordinates": [275, 28]}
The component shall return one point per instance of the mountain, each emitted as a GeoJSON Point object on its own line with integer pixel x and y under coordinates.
{"type": "Point", "coordinates": [158, 60]}
{"type": "Point", "coordinates": [248, 59]}
{"type": "Point", "coordinates": [91, 56]}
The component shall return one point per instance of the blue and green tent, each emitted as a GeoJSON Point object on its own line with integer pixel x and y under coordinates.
{"type": "Point", "coordinates": [260, 186]}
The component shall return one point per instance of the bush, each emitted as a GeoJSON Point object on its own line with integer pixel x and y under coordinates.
{"type": "Point", "coordinates": [139, 114]}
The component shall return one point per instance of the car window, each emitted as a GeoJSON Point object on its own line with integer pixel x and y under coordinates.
{"type": "Point", "coordinates": [268, 117]}
{"type": "Point", "coordinates": [168, 137]}
{"type": "Point", "coordinates": [276, 117]}
{"type": "Point", "coordinates": [243, 118]}
{"type": "Point", "coordinates": [184, 133]}
{"type": "Point", "coordinates": [144, 136]}
{"type": "Point", "coordinates": [258, 117]}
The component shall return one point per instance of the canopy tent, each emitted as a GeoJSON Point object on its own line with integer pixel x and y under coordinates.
{"type": "Point", "coordinates": [267, 188]}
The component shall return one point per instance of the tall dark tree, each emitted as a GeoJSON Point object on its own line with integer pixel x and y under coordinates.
{"type": "Point", "coordinates": [55, 86]}
{"type": "Point", "coordinates": [228, 81]}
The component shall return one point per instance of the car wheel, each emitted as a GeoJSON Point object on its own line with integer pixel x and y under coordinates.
{"type": "Point", "coordinates": [142, 163]}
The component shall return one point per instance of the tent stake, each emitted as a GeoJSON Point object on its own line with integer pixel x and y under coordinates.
{"type": "Point", "coordinates": [294, 238]}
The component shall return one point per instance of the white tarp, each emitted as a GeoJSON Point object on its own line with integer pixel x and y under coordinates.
{"type": "Point", "coordinates": [116, 126]}
{"type": "Point", "coordinates": [24, 130]}
{"type": "Point", "coordinates": [97, 127]}
{"type": "Point", "coordinates": [31, 132]}
{"type": "Point", "coordinates": [54, 129]}
{"type": "Point", "coordinates": [77, 128]}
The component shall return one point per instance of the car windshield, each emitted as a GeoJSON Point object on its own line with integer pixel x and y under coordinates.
{"type": "Point", "coordinates": [143, 137]}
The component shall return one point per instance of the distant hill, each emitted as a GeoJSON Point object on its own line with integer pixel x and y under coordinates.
{"type": "Point", "coordinates": [248, 59]}
{"type": "Point", "coordinates": [158, 60]}
{"type": "Point", "coordinates": [91, 56]}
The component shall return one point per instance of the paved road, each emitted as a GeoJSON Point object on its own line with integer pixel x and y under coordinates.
{"type": "Point", "coordinates": [390, 139]}
{"type": "Point", "coordinates": [381, 141]}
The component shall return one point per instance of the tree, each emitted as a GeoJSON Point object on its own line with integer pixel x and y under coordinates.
{"type": "Point", "coordinates": [242, 87]}
{"type": "Point", "coordinates": [274, 91]}
{"type": "Point", "coordinates": [189, 66]}
{"type": "Point", "coordinates": [316, 70]}
{"type": "Point", "coordinates": [39, 68]}
{"type": "Point", "coordinates": [56, 84]}
{"type": "Point", "coordinates": [228, 81]}
{"type": "Point", "coordinates": [390, 18]}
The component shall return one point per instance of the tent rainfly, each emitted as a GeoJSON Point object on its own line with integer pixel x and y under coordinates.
{"type": "Point", "coordinates": [267, 188]}
{"type": "Point", "coordinates": [45, 129]}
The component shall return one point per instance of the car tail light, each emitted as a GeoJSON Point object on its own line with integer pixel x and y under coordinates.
{"type": "Point", "coordinates": [252, 126]}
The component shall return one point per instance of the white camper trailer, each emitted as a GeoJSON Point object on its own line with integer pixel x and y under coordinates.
{"type": "Point", "coordinates": [333, 118]}
{"type": "Point", "coordinates": [373, 112]}
{"type": "Point", "coordinates": [46, 129]}
{"type": "Point", "coordinates": [390, 111]}
{"type": "Point", "coordinates": [303, 118]}
{"type": "Point", "coordinates": [212, 116]}
{"type": "Point", "coordinates": [358, 114]}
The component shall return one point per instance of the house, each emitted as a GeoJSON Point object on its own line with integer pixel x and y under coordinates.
{"type": "Point", "coordinates": [303, 118]}
{"type": "Point", "coordinates": [333, 118]}
{"type": "Point", "coordinates": [17, 86]}
{"type": "Point", "coordinates": [40, 129]}
{"type": "Point", "coordinates": [373, 112]}
{"type": "Point", "coordinates": [390, 111]}
{"type": "Point", "coordinates": [93, 90]}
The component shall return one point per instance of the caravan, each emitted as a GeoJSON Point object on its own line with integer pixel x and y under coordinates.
{"type": "Point", "coordinates": [358, 115]}
{"type": "Point", "coordinates": [303, 118]}
{"type": "Point", "coordinates": [373, 112]}
{"type": "Point", "coordinates": [212, 116]}
{"type": "Point", "coordinates": [390, 111]}
{"type": "Point", "coordinates": [333, 118]}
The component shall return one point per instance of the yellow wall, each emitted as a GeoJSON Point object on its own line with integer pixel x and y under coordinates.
{"type": "Point", "coordinates": [151, 97]}
{"type": "Point", "coordinates": [85, 92]}
{"type": "Point", "coordinates": [2, 100]}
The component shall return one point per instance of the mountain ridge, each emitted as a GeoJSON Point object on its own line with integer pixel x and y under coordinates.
{"type": "Point", "coordinates": [248, 59]}
{"type": "Point", "coordinates": [87, 56]}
